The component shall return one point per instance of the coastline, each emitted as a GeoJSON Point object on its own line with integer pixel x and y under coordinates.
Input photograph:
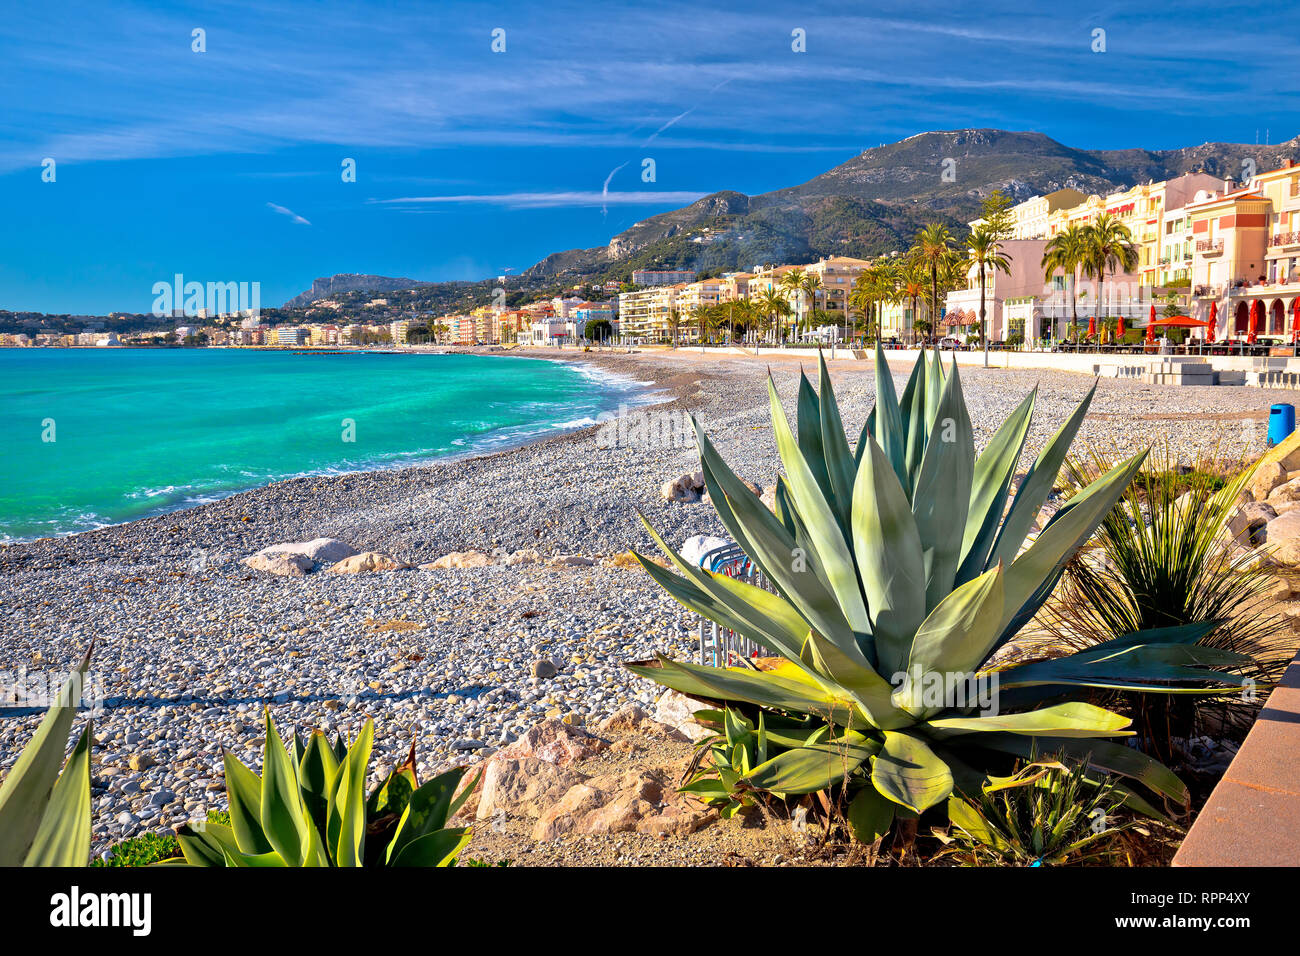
{"type": "Point", "coordinates": [188, 652]}
{"type": "Point", "coordinates": [640, 395]}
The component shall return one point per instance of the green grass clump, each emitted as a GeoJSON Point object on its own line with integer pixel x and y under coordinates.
{"type": "Point", "coordinates": [150, 848]}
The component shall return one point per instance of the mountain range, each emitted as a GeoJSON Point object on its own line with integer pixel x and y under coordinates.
{"type": "Point", "coordinates": [871, 204]}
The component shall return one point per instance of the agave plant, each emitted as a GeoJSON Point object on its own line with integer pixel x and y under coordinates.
{"type": "Point", "coordinates": [901, 566]}
{"type": "Point", "coordinates": [45, 812]}
{"type": "Point", "coordinates": [1044, 814]}
{"type": "Point", "coordinates": [311, 809]}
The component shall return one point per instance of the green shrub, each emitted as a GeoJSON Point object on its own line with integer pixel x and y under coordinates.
{"type": "Point", "coordinates": [1045, 814]}
{"type": "Point", "coordinates": [310, 809]}
{"type": "Point", "coordinates": [899, 570]}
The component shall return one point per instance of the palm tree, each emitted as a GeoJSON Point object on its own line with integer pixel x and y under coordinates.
{"type": "Point", "coordinates": [911, 285]}
{"type": "Point", "coordinates": [812, 286]}
{"type": "Point", "coordinates": [1109, 247]}
{"type": "Point", "coordinates": [792, 283]}
{"type": "Point", "coordinates": [984, 253]}
{"type": "Point", "coordinates": [775, 305]}
{"type": "Point", "coordinates": [1066, 251]}
{"type": "Point", "coordinates": [860, 300]}
{"type": "Point", "coordinates": [933, 247]}
{"type": "Point", "coordinates": [703, 319]}
{"type": "Point", "coordinates": [674, 323]}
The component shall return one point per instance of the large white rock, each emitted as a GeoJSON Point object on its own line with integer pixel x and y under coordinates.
{"type": "Point", "coordinates": [317, 550]}
{"type": "Point", "coordinates": [1282, 535]}
{"type": "Point", "coordinates": [287, 565]}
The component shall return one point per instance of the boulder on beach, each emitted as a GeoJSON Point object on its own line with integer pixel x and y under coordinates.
{"type": "Point", "coordinates": [684, 488]}
{"type": "Point", "coordinates": [317, 550]}
{"type": "Point", "coordinates": [368, 561]}
{"type": "Point", "coordinates": [287, 565]}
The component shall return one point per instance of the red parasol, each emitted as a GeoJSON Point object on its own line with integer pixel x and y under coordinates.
{"type": "Point", "coordinates": [1151, 332]}
{"type": "Point", "coordinates": [1214, 320]}
{"type": "Point", "coordinates": [1092, 326]}
{"type": "Point", "coordinates": [1119, 328]}
{"type": "Point", "coordinates": [1256, 313]}
{"type": "Point", "coordinates": [1153, 313]}
{"type": "Point", "coordinates": [1180, 322]}
{"type": "Point", "coordinates": [1295, 321]}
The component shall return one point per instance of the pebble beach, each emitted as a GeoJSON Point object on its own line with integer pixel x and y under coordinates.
{"type": "Point", "coordinates": [190, 645]}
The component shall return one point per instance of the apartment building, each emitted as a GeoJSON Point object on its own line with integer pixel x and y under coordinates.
{"type": "Point", "coordinates": [644, 315]}
{"type": "Point", "coordinates": [1246, 258]}
{"type": "Point", "coordinates": [652, 277]}
{"type": "Point", "coordinates": [837, 275]}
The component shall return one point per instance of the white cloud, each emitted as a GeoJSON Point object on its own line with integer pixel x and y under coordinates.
{"type": "Point", "coordinates": [288, 212]}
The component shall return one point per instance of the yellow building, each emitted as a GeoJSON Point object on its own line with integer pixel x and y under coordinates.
{"type": "Point", "coordinates": [644, 315]}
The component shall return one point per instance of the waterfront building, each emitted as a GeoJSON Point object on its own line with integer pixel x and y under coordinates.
{"type": "Point", "coordinates": [652, 277]}
{"type": "Point", "coordinates": [1246, 258]}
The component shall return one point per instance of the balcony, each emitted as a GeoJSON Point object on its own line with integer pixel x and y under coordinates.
{"type": "Point", "coordinates": [1286, 239]}
{"type": "Point", "coordinates": [1210, 247]}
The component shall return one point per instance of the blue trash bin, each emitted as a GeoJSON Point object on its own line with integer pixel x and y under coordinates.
{"type": "Point", "coordinates": [1281, 423]}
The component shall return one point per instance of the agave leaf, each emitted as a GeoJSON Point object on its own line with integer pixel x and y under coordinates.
{"type": "Point", "coordinates": [871, 691]}
{"type": "Point", "coordinates": [968, 818]}
{"type": "Point", "coordinates": [756, 687]}
{"type": "Point", "coordinates": [315, 768]}
{"type": "Point", "coordinates": [1102, 754]}
{"type": "Point", "coordinates": [207, 846]}
{"type": "Point", "coordinates": [762, 536]}
{"type": "Point", "coordinates": [868, 430]}
{"type": "Point", "coordinates": [954, 638]}
{"type": "Point", "coordinates": [994, 469]}
{"type": "Point", "coordinates": [934, 382]}
{"type": "Point", "coordinates": [427, 812]}
{"type": "Point", "coordinates": [912, 409]}
{"type": "Point", "coordinates": [889, 432]}
{"type": "Point", "coordinates": [244, 790]}
{"type": "Point", "coordinates": [810, 443]}
{"type": "Point", "coordinates": [439, 848]}
{"type": "Point", "coordinates": [284, 818]}
{"type": "Point", "coordinates": [748, 610]}
{"type": "Point", "coordinates": [908, 772]}
{"type": "Point", "coordinates": [840, 465]}
{"type": "Point", "coordinates": [809, 769]}
{"type": "Point", "coordinates": [784, 509]}
{"type": "Point", "coordinates": [1032, 576]}
{"type": "Point", "coordinates": [27, 786]}
{"type": "Point", "coordinates": [347, 808]}
{"type": "Point", "coordinates": [1074, 719]}
{"type": "Point", "coordinates": [1038, 484]}
{"type": "Point", "coordinates": [824, 529]}
{"type": "Point", "coordinates": [870, 815]}
{"type": "Point", "coordinates": [943, 492]}
{"type": "Point", "coordinates": [63, 838]}
{"type": "Point", "coordinates": [888, 552]}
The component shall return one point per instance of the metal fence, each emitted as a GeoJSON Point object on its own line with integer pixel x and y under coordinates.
{"type": "Point", "coordinates": [719, 646]}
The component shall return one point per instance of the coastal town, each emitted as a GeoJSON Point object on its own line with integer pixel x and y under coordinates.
{"type": "Point", "coordinates": [1222, 256]}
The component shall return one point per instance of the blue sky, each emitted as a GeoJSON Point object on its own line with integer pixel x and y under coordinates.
{"type": "Point", "coordinates": [225, 165]}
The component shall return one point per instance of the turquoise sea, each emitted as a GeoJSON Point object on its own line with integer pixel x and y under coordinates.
{"type": "Point", "coordinates": [140, 431]}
